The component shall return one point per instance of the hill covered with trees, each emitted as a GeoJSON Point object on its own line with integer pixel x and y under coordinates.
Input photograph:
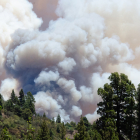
{"type": "Point", "coordinates": [119, 119]}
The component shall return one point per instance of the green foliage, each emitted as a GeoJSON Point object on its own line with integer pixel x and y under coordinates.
{"type": "Point", "coordinates": [29, 102]}
{"type": "Point", "coordinates": [53, 121]}
{"type": "Point", "coordinates": [26, 113]}
{"type": "Point", "coordinates": [30, 130]}
{"type": "Point", "coordinates": [21, 98]}
{"type": "Point", "coordinates": [13, 96]}
{"type": "Point", "coordinates": [118, 103]}
{"type": "Point", "coordinates": [63, 132]}
{"type": "Point", "coordinates": [9, 105]}
{"type": "Point", "coordinates": [0, 110]}
{"type": "Point", "coordinates": [44, 133]}
{"type": "Point", "coordinates": [137, 123]}
{"type": "Point", "coordinates": [44, 115]}
{"type": "Point", "coordinates": [86, 123]}
{"type": "Point", "coordinates": [17, 110]}
{"type": "Point", "coordinates": [58, 129]}
{"type": "Point", "coordinates": [5, 134]}
{"type": "Point", "coordinates": [1, 101]}
{"type": "Point", "coordinates": [96, 135]}
{"type": "Point", "coordinates": [58, 119]}
{"type": "Point", "coordinates": [81, 130]}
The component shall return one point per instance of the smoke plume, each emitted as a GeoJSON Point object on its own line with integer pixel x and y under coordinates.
{"type": "Point", "coordinates": [64, 60]}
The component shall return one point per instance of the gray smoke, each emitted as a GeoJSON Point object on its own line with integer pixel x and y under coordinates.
{"type": "Point", "coordinates": [64, 65]}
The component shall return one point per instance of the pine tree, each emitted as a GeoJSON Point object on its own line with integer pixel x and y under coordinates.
{"type": "Point", "coordinates": [138, 113]}
{"type": "Point", "coordinates": [117, 97]}
{"type": "Point", "coordinates": [44, 115]}
{"type": "Point", "coordinates": [96, 135]}
{"type": "Point", "coordinates": [81, 129]}
{"type": "Point", "coordinates": [53, 121]}
{"type": "Point", "coordinates": [13, 96]}
{"type": "Point", "coordinates": [0, 111]}
{"type": "Point", "coordinates": [51, 133]}
{"type": "Point", "coordinates": [105, 108]}
{"type": "Point", "coordinates": [123, 91]}
{"type": "Point", "coordinates": [76, 137]}
{"type": "Point", "coordinates": [87, 136]}
{"type": "Point", "coordinates": [1, 101]}
{"type": "Point", "coordinates": [26, 113]}
{"type": "Point", "coordinates": [129, 117]}
{"type": "Point", "coordinates": [1, 104]}
{"type": "Point", "coordinates": [21, 98]}
{"type": "Point", "coordinates": [44, 133]}
{"type": "Point", "coordinates": [110, 131]}
{"type": "Point", "coordinates": [58, 120]}
{"type": "Point", "coordinates": [17, 110]}
{"type": "Point", "coordinates": [29, 102]}
{"type": "Point", "coordinates": [86, 123]}
{"type": "Point", "coordinates": [63, 131]}
{"type": "Point", "coordinates": [58, 129]}
{"type": "Point", "coordinates": [9, 105]}
{"type": "Point", "coordinates": [30, 130]}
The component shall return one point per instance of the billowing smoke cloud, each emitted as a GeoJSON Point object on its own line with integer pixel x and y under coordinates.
{"type": "Point", "coordinates": [7, 86]}
{"type": "Point", "coordinates": [64, 65]}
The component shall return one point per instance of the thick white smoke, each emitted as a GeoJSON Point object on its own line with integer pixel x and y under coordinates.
{"type": "Point", "coordinates": [66, 64]}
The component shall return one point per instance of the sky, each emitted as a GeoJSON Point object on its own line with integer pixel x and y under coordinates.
{"type": "Point", "coordinates": [63, 51]}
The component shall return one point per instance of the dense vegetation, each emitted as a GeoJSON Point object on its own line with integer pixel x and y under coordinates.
{"type": "Point", "coordinates": [119, 119]}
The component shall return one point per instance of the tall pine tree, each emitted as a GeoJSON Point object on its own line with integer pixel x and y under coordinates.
{"type": "Point", "coordinates": [118, 103]}
{"type": "Point", "coordinates": [58, 119]}
{"type": "Point", "coordinates": [138, 113]}
{"type": "Point", "coordinates": [106, 124]}
{"type": "Point", "coordinates": [21, 98]}
{"type": "Point", "coordinates": [81, 130]}
{"type": "Point", "coordinates": [44, 133]}
{"type": "Point", "coordinates": [29, 102]}
{"type": "Point", "coordinates": [13, 96]}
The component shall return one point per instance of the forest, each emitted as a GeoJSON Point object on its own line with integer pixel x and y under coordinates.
{"type": "Point", "coordinates": [119, 112]}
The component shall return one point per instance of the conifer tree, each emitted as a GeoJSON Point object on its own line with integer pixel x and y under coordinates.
{"type": "Point", "coordinates": [44, 133]}
{"type": "Point", "coordinates": [26, 113]}
{"type": "Point", "coordinates": [53, 121]}
{"type": "Point", "coordinates": [81, 130]}
{"type": "Point", "coordinates": [129, 117]}
{"type": "Point", "coordinates": [138, 113]}
{"type": "Point", "coordinates": [29, 102]}
{"type": "Point", "coordinates": [76, 137]}
{"type": "Point", "coordinates": [63, 131]}
{"type": "Point", "coordinates": [17, 110]}
{"type": "Point", "coordinates": [51, 133]}
{"type": "Point", "coordinates": [117, 97]}
{"type": "Point", "coordinates": [58, 120]}
{"type": "Point", "coordinates": [110, 131]}
{"type": "Point", "coordinates": [44, 115]}
{"type": "Point", "coordinates": [1, 104]}
{"type": "Point", "coordinates": [58, 129]}
{"type": "Point", "coordinates": [13, 96]}
{"type": "Point", "coordinates": [21, 98]}
{"type": "Point", "coordinates": [1, 101]}
{"type": "Point", "coordinates": [0, 111]}
{"type": "Point", "coordinates": [86, 123]}
{"type": "Point", "coordinates": [96, 135]}
{"type": "Point", "coordinates": [9, 105]}
{"type": "Point", "coordinates": [105, 108]}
